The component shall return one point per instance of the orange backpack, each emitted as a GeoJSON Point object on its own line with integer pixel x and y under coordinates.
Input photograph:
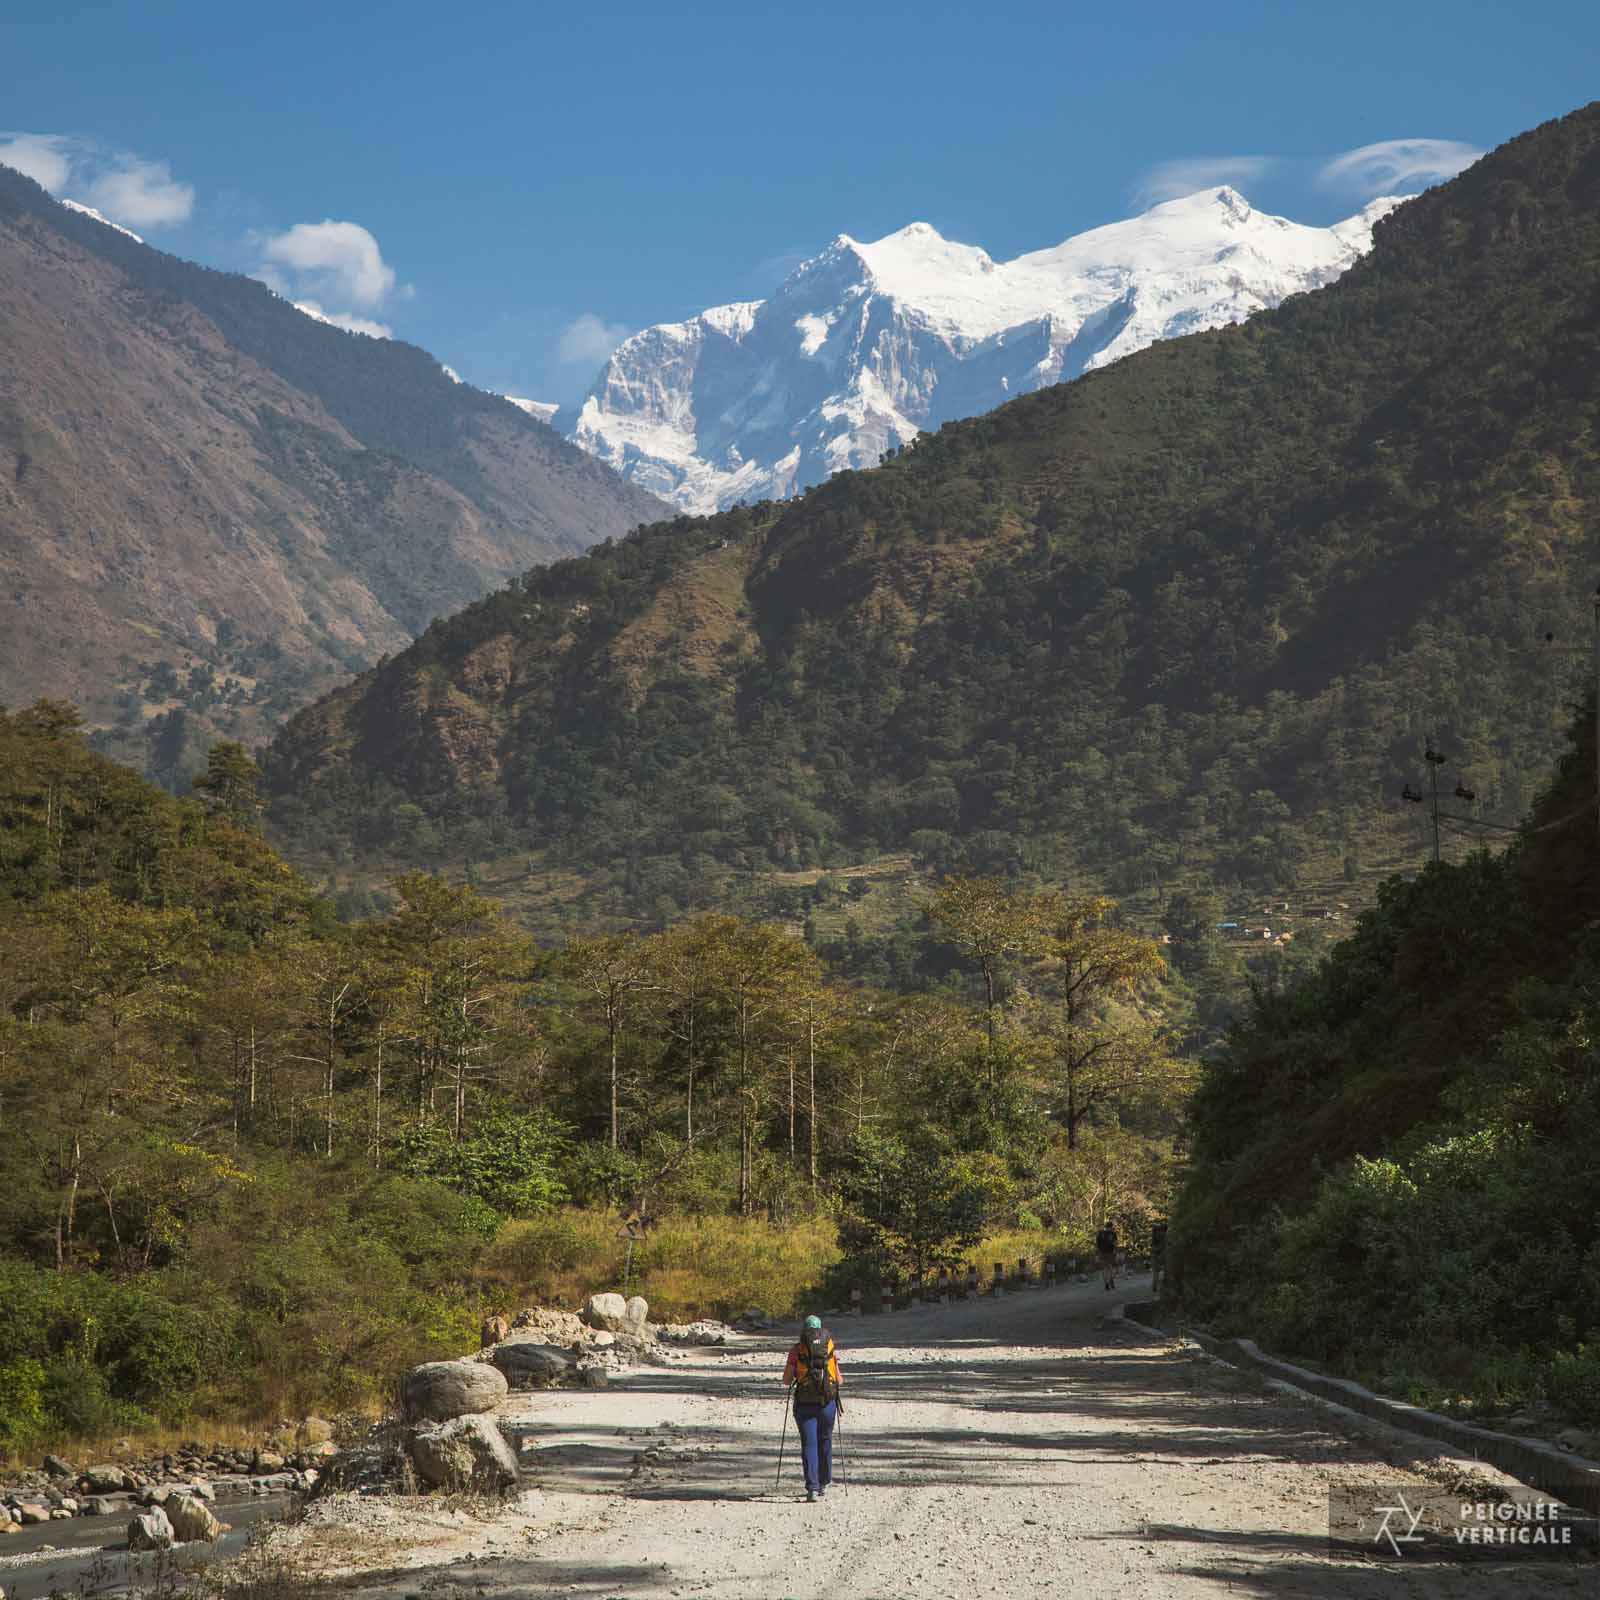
{"type": "Point", "coordinates": [815, 1383]}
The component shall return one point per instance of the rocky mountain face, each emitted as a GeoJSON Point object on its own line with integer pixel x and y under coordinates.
{"type": "Point", "coordinates": [213, 507]}
{"type": "Point", "coordinates": [867, 345]}
{"type": "Point", "coordinates": [1192, 617]}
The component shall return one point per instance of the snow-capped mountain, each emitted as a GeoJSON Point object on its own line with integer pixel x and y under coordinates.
{"type": "Point", "coordinates": [89, 211]}
{"type": "Point", "coordinates": [542, 410]}
{"type": "Point", "coordinates": [866, 345]}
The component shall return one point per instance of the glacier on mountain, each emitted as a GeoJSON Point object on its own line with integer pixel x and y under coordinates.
{"type": "Point", "coordinates": [866, 345]}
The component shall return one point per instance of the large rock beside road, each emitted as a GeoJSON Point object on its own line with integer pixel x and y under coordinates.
{"type": "Point", "coordinates": [150, 1531]}
{"type": "Point", "coordinates": [608, 1311]}
{"type": "Point", "coordinates": [439, 1390]}
{"type": "Point", "coordinates": [525, 1362]}
{"type": "Point", "coordinates": [616, 1315]}
{"type": "Point", "coordinates": [466, 1452]}
{"type": "Point", "coordinates": [192, 1519]}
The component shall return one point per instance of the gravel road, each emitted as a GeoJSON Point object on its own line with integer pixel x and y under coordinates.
{"type": "Point", "coordinates": [1021, 1446]}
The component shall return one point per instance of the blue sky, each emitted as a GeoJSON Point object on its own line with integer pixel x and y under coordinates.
{"type": "Point", "coordinates": [516, 185]}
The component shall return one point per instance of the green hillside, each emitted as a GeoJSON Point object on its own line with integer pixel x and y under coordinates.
{"type": "Point", "coordinates": [1192, 619]}
{"type": "Point", "coordinates": [1394, 1157]}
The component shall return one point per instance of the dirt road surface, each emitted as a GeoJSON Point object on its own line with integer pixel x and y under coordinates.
{"type": "Point", "coordinates": [1023, 1446]}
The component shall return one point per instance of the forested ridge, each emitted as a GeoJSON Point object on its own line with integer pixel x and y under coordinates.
{"type": "Point", "coordinates": [1394, 1167]}
{"type": "Point", "coordinates": [256, 1160]}
{"type": "Point", "coordinates": [1191, 620]}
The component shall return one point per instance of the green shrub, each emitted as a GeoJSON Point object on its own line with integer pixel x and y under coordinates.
{"type": "Point", "coordinates": [1572, 1382]}
{"type": "Point", "coordinates": [510, 1161]}
{"type": "Point", "coordinates": [595, 1174]}
{"type": "Point", "coordinates": [78, 1401]}
{"type": "Point", "coordinates": [22, 1412]}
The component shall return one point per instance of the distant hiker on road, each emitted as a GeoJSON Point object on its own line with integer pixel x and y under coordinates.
{"type": "Point", "coordinates": [1106, 1243]}
{"type": "Point", "coordinates": [812, 1374]}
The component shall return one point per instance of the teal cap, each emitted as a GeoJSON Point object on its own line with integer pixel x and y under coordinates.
{"type": "Point", "coordinates": [812, 1325]}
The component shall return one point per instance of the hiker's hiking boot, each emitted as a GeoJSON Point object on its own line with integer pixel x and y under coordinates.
{"type": "Point", "coordinates": [811, 1495]}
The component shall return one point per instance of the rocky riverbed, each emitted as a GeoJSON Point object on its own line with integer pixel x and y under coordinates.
{"type": "Point", "coordinates": [60, 1490]}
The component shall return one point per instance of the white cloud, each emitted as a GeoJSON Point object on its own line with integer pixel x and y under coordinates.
{"type": "Point", "coordinates": [1171, 180]}
{"type": "Point", "coordinates": [339, 261]}
{"type": "Point", "coordinates": [1395, 164]}
{"type": "Point", "coordinates": [44, 157]}
{"type": "Point", "coordinates": [587, 340]}
{"type": "Point", "coordinates": [117, 185]}
{"type": "Point", "coordinates": [339, 319]}
{"type": "Point", "coordinates": [141, 193]}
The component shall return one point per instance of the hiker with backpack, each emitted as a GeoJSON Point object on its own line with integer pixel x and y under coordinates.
{"type": "Point", "coordinates": [1106, 1243]}
{"type": "Point", "coordinates": [811, 1374]}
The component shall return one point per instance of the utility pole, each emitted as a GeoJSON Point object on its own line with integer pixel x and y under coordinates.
{"type": "Point", "coordinates": [1596, 599]}
{"type": "Point", "coordinates": [1548, 646]}
{"type": "Point", "coordinates": [1435, 761]}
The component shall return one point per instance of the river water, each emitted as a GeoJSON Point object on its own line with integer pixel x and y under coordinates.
{"type": "Point", "coordinates": [89, 1555]}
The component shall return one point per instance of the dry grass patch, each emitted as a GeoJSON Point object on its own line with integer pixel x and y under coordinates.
{"type": "Point", "coordinates": [685, 1267]}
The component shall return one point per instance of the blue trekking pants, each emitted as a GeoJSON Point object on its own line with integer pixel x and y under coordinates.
{"type": "Point", "coordinates": [814, 1424]}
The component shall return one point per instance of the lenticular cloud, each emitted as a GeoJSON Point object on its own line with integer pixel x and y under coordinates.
{"type": "Point", "coordinates": [1394, 164]}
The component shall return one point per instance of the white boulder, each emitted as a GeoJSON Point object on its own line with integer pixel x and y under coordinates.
{"type": "Point", "coordinates": [466, 1452]}
{"type": "Point", "coordinates": [150, 1531]}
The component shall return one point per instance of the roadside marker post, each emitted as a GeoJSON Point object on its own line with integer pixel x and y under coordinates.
{"type": "Point", "coordinates": [972, 1280]}
{"type": "Point", "coordinates": [887, 1300]}
{"type": "Point", "coordinates": [855, 1300]}
{"type": "Point", "coordinates": [999, 1278]}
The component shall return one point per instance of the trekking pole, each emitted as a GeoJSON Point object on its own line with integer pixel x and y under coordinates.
{"type": "Point", "coordinates": [783, 1434]}
{"type": "Point", "coordinates": [838, 1439]}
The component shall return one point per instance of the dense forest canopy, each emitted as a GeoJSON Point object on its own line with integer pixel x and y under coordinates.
{"type": "Point", "coordinates": [258, 1158]}
{"type": "Point", "coordinates": [1401, 1145]}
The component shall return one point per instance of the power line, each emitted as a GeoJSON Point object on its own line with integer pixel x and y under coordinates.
{"type": "Point", "coordinates": [1460, 823]}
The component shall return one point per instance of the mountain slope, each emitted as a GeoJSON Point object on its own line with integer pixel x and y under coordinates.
{"type": "Point", "coordinates": [867, 345]}
{"type": "Point", "coordinates": [192, 471]}
{"type": "Point", "coordinates": [1190, 618]}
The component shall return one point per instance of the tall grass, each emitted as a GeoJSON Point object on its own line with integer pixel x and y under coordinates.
{"type": "Point", "coordinates": [697, 1266]}
{"type": "Point", "coordinates": [685, 1267]}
